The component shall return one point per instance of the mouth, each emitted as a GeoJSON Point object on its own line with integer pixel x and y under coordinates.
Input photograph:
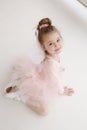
{"type": "Point", "coordinates": [58, 49]}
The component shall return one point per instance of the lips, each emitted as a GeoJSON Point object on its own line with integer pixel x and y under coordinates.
{"type": "Point", "coordinates": [58, 49]}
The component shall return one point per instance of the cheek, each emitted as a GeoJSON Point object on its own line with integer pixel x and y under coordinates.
{"type": "Point", "coordinates": [50, 48]}
{"type": "Point", "coordinates": [47, 47]}
{"type": "Point", "coordinates": [61, 46]}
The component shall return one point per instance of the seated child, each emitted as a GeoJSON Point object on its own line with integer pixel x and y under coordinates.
{"type": "Point", "coordinates": [38, 84]}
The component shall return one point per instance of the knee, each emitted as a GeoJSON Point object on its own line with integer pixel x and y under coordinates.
{"type": "Point", "coordinates": [43, 111]}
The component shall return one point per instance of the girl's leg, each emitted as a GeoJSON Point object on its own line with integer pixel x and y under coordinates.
{"type": "Point", "coordinates": [41, 109]}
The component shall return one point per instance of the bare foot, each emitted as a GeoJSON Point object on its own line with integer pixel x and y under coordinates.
{"type": "Point", "coordinates": [68, 91]}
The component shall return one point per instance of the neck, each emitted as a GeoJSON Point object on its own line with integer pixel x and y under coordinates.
{"type": "Point", "coordinates": [55, 57]}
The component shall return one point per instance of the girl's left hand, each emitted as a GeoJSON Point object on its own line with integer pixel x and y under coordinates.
{"type": "Point", "coordinates": [68, 91]}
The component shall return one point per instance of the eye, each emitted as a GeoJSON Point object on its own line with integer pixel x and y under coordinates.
{"type": "Point", "coordinates": [50, 44]}
{"type": "Point", "coordinates": [58, 40]}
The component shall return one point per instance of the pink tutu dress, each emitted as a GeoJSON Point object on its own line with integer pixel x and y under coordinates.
{"type": "Point", "coordinates": [37, 82]}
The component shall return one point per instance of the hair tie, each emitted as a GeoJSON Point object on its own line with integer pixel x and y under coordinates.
{"type": "Point", "coordinates": [43, 26]}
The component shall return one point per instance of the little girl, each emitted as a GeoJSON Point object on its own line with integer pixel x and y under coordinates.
{"type": "Point", "coordinates": [38, 84]}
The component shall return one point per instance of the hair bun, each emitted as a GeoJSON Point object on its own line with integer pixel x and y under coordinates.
{"type": "Point", "coordinates": [45, 22]}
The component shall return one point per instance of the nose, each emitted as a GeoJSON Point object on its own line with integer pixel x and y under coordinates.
{"type": "Point", "coordinates": [57, 45]}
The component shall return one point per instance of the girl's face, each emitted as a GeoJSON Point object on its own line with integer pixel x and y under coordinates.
{"type": "Point", "coordinates": [52, 43]}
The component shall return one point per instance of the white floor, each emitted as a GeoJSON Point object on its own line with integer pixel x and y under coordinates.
{"type": "Point", "coordinates": [18, 20]}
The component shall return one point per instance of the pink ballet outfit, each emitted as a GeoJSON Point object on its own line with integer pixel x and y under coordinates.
{"type": "Point", "coordinates": [37, 82]}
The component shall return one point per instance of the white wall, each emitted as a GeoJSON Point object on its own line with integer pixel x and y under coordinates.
{"type": "Point", "coordinates": [18, 20]}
